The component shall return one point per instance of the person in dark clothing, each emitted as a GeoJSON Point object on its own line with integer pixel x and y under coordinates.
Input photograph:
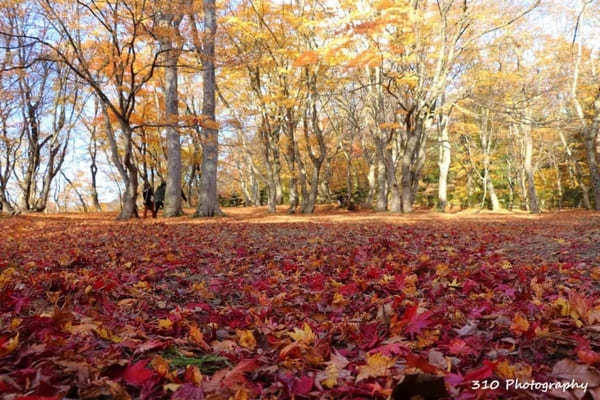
{"type": "Point", "coordinates": [148, 195]}
{"type": "Point", "coordinates": [159, 198]}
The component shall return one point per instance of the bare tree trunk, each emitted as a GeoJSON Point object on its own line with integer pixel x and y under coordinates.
{"type": "Point", "coordinates": [528, 168]}
{"type": "Point", "coordinates": [317, 161]}
{"type": "Point", "coordinates": [407, 173]}
{"type": "Point", "coordinates": [6, 206]}
{"type": "Point", "coordinates": [444, 163]}
{"type": "Point", "coordinates": [324, 190]}
{"type": "Point", "coordinates": [576, 171]}
{"type": "Point", "coordinates": [590, 133]}
{"type": "Point", "coordinates": [167, 19]}
{"type": "Point", "coordinates": [371, 179]}
{"type": "Point", "coordinates": [589, 130]}
{"type": "Point", "coordinates": [94, 172]}
{"type": "Point", "coordinates": [208, 205]}
{"type": "Point", "coordinates": [291, 160]}
{"type": "Point", "coordinates": [381, 194]}
{"type": "Point", "coordinates": [277, 174]}
{"type": "Point", "coordinates": [173, 199]}
{"type": "Point", "coordinates": [129, 209]}
{"type": "Point", "coordinates": [309, 206]}
{"type": "Point", "coordinates": [302, 181]}
{"type": "Point", "coordinates": [392, 183]}
{"type": "Point", "coordinates": [493, 197]}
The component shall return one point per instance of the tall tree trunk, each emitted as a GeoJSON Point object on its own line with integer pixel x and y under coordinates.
{"type": "Point", "coordinates": [576, 171]}
{"type": "Point", "coordinates": [324, 190]}
{"type": "Point", "coordinates": [6, 206]}
{"type": "Point", "coordinates": [372, 181]}
{"type": "Point", "coordinates": [173, 199]}
{"type": "Point", "coordinates": [94, 172]}
{"type": "Point", "coordinates": [302, 181]}
{"type": "Point", "coordinates": [495, 204]}
{"type": "Point", "coordinates": [167, 18]}
{"type": "Point", "coordinates": [381, 194]}
{"type": "Point", "coordinates": [291, 160]}
{"type": "Point", "coordinates": [528, 168]}
{"type": "Point", "coordinates": [309, 206]}
{"type": "Point", "coordinates": [392, 182]}
{"type": "Point", "coordinates": [277, 171]}
{"type": "Point", "coordinates": [407, 173]}
{"type": "Point", "coordinates": [590, 133]}
{"type": "Point", "coordinates": [208, 205]}
{"type": "Point", "coordinates": [443, 164]}
{"type": "Point", "coordinates": [129, 209]}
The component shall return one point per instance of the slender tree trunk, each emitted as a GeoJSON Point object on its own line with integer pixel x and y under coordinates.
{"type": "Point", "coordinates": [493, 197]}
{"type": "Point", "coordinates": [590, 133]}
{"type": "Point", "coordinates": [349, 178]}
{"type": "Point", "coordinates": [324, 190]}
{"type": "Point", "coordinates": [528, 168]}
{"type": "Point", "coordinates": [291, 159]}
{"type": "Point", "coordinates": [381, 194]}
{"type": "Point", "coordinates": [407, 178]}
{"type": "Point", "coordinates": [173, 199]}
{"type": "Point", "coordinates": [208, 205]}
{"type": "Point", "coordinates": [129, 209]}
{"type": "Point", "coordinates": [277, 171]}
{"type": "Point", "coordinates": [576, 171]}
{"type": "Point", "coordinates": [443, 164]}
{"type": "Point", "coordinates": [94, 172]}
{"type": "Point", "coordinates": [392, 183]}
{"type": "Point", "coordinates": [302, 181]}
{"type": "Point", "coordinates": [309, 206]}
{"type": "Point", "coordinates": [372, 181]}
{"type": "Point", "coordinates": [6, 206]}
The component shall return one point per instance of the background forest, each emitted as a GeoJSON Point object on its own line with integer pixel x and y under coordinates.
{"type": "Point", "coordinates": [389, 104]}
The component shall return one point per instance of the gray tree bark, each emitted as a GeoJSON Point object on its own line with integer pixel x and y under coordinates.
{"type": "Point", "coordinates": [532, 197]}
{"type": "Point", "coordinates": [443, 163]}
{"type": "Point", "coordinates": [208, 205]}
{"type": "Point", "coordinates": [168, 19]}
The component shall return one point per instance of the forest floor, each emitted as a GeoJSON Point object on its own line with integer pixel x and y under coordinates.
{"type": "Point", "coordinates": [334, 305]}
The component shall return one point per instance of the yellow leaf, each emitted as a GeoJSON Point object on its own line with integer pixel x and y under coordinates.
{"type": "Point", "coordinates": [505, 370]}
{"type": "Point", "coordinates": [241, 394]}
{"type": "Point", "coordinates": [519, 324]}
{"type": "Point", "coordinates": [563, 304]}
{"type": "Point", "coordinates": [197, 337]}
{"type": "Point", "coordinates": [377, 365]}
{"type": "Point", "coordinates": [161, 366]}
{"type": "Point", "coordinates": [339, 299]}
{"type": "Point", "coordinates": [15, 323]}
{"type": "Point", "coordinates": [454, 284]}
{"type": "Point", "coordinates": [9, 346]}
{"type": "Point", "coordinates": [171, 387]}
{"type": "Point", "coordinates": [141, 285]}
{"type": "Point", "coordinates": [165, 324]}
{"type": "Point", "coordinates": [305, 335]}
{"type": "Point", "coordinates": [6, 276]}
{"type": "Point", "coordinates": [194, 373]}
{"type": "Point", "coordinates": [246, 339]}
{"type": "Point", "coordinates": [333, 370]}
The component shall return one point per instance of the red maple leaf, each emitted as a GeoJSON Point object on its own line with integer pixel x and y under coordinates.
{"type": "Point", "coordinates": [415, 322]}
{"type": "Point", "coordinates": [136, 374]}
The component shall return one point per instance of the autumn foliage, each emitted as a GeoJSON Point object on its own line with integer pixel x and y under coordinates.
{"type": "Point", "coordinates": [252, 307]}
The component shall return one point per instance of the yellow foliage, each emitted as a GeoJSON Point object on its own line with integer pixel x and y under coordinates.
{"type": "Point", "coordinates": [377, 365]}
{"type": "Point", "coordinates": [305, 335]}
{"type": "Point", "coordinates": [246, 339]}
